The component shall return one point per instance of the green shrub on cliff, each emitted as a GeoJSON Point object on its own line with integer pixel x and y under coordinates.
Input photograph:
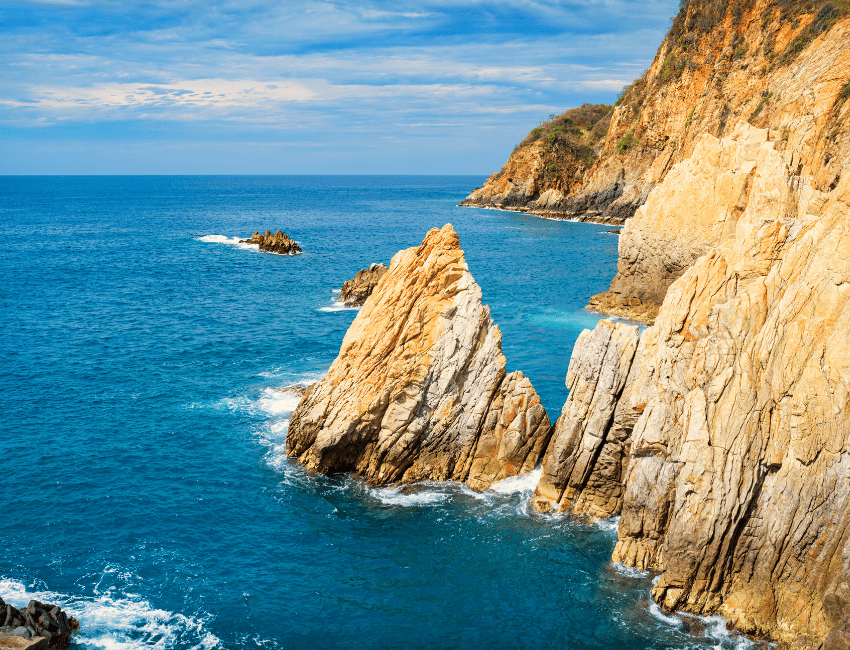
{"type": "Point", "coordinates": [627, 142]}
{"type": "Point", "coordinates": [573, 132]}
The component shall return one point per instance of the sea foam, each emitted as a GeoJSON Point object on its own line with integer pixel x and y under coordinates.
{"type": "Point", "coordinates": [119, 622]}
{"type": "Point", "coordinates": [232, 241]}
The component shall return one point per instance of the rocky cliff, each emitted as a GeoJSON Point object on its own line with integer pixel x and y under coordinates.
{"type": "Point", "coordinates": [781, 65]}
{"type": "Point", "coordinates": [419, 390]}
{"type": "Point", "coordinates": [730, 430]}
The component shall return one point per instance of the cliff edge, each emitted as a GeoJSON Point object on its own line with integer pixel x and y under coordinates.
{"type": "Point", "coordinates": [783, 66]}
{"type": "Point", "coordinates": [733, 474]}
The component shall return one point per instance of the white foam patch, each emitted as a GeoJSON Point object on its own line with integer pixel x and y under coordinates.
{"type": "Point", "coordinates": [232, 241]}
{"type": "Point", "coordinates": [522, 483]}
{"type": "Point", "coordinates": [405, 496]}
{"type": "Point", "coordinates": [608, 525]}
{"type": "Point", "coordinates": [116, 622]}
{"type": "Point", "coordinates": [275, 402]}
{"type": "Point", "coordinates": [336, 305]}
{"type": "Point", "coordinates": [629, 571]}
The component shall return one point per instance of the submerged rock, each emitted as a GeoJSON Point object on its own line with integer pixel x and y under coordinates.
{"type": "Point", "coordinates": [419, 390]}
{"type": "Point", "coordinates": [355, 291]}
{"type": "Point", "coordinates": [279, 243]}
{"type": "Point", "coordinates": [39, 625]}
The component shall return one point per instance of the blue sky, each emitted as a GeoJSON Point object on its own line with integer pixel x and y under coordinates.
{"type": "Point", "coordinates": [260, 87]}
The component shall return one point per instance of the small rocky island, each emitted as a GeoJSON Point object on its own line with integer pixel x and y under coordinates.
{"type": "Point", "coordinates": [279, 243]}
{"type": "Point", "coordinates": [355, 291]}
{"type": "Point", "coordinates": [37, 627]}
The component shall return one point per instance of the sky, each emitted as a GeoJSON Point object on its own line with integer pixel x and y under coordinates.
{"type": "Point", "coordinates": [313, 87]}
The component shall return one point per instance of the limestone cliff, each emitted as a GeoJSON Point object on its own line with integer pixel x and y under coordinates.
{"type": "Point", "coordinates": [419, 390]}
{"type": "Point", "coordinates": [733, 419]}
{"type": "Point", "coordinates": [782, 65]}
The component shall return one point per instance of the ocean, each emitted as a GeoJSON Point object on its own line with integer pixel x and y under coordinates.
{"type": "Point", "coordinates": [145, 484]}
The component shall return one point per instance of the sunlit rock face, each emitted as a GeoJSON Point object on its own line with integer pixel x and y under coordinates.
{"type": "Point", "coordinates": [735, 406]}
{"type": "Point", "coordinates": [419, 390]}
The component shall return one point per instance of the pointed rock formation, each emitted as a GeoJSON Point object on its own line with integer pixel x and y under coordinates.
{"type": "Point", "coordinates": [584, 464]}
{"type": "Point", "coordinates": [419, 390]}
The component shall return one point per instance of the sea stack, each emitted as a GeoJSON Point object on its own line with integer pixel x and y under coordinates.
{"type": "Point", "coordinates": [279, 243]}
{"type": "Point", "coordinates": [355, 291]}
{"type": "Point", "coordinates": [419, 390]}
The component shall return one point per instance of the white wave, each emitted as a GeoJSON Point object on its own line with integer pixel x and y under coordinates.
{"type": "Point", "coordinates": [275, 402]}
{"type": "Point", "coordinates": [336, 305]}
{"type": "Point", "coordinates": [629, 571]}
{"type": "Point", "coordinates": [117, 622]}
{"type": "Point", "coordinates": [232, 241]}
{"type": "Point", "coordinates": [405, 496]}
{"type": "Point", "coordinates": [522, 483]}
{"type": "Point", "coordinates": [336, 292]}
{"type": "Point", "coordinates": [608, 525]}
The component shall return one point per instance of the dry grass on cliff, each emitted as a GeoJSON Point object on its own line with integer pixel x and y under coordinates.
{"type": "Point", "coordinates": [573, 132]}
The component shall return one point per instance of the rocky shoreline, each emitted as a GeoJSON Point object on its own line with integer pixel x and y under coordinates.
{"type": "Point", "coordinates": [36, 627]}
{"type": "Point", "coordinates": [354, 292]}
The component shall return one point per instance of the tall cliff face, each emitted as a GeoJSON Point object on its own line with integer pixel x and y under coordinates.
{"type": "Point", "coordinates": [733, 418]}
{"type": "Point", "coordinates": [779, 64]}
{"type": "Point", "coordinates": [419, 390]}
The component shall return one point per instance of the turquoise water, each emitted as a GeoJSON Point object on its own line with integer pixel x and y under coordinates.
{"type": "Point", "coordinates": [145, 486]}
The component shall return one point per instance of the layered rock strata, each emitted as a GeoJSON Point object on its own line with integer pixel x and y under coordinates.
{"type": "Point", "coordinates": [38, 625]}
{"type": "Point", "coordinates": [738, 480]}
{"type": "Point", "coordinates": [419, 390]}
{"type": "Point", "coordinates": [355, 291]}
{"type": "Point", "coordinates": [279, 243]}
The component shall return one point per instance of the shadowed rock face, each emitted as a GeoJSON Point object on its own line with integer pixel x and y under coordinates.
{"type": "Point", "coordinates": [355, 291]}
{"type": "Point", "coordinates": [419, 389]}
{"type": "Point", "coordinates": [738, 483]}
{"type": "Point", "coordinates": [279, 243]}
{"type": "Point", "coordinates": [38, 626]}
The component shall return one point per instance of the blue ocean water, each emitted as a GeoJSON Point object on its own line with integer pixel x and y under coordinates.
{"type": "Point", "coordinates": [145, 486]}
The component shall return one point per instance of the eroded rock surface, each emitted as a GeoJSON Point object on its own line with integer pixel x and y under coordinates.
{"type": "Point", "coordinates": [419, 389]}
{"type": "Point", "coordinates": [585, 462]}
{"type": "Point", "coordinates": [738, 487]}
{"type": "Point", "coordinates": [355, 291]}
{"type": "Point", "coordinates": [279, 243]}
{"type": "Point", "coordinates": [37, 625]}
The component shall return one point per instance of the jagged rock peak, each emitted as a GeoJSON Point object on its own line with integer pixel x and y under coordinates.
{"type": "Point", "coordinates": [355, 291]}
{"type": "Point", "coordinates": [419, 390]}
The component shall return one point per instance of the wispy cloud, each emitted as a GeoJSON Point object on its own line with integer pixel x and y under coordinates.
{"type": "Point", "coordinates": [345, 73]}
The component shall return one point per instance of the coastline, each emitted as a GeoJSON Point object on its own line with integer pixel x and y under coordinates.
{"type": "Point", "coordinates": [552, 216]}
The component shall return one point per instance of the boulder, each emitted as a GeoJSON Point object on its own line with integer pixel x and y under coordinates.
{"type": "Point", "coordinates": [355, 291]}
{"type": "Point", "coordinates": [279, 243]}
{"type": "Point", "coordinates": [37, 620]}
{"type": "Point", "coordinates": [419, 390]}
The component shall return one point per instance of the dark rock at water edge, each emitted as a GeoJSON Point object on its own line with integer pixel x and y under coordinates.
{"type": "Point", "coordinates": [355, 291]}
{"type": "Point", "coordinates": [279, 243]}
{"type": "Point", "coordinates": [38, 620]}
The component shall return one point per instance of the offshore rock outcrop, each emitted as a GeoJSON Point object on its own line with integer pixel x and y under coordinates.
{"type": "Point", "coordinates": [419, 390]}
{"type": "Point", "coordinates": [355, 291]}
{"type": "Point", "coordinates": [279, 243]}
{"type": "Point", "coordinates": [39, 624]}
{"type": "Point", "coordinates": [738, 480]}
